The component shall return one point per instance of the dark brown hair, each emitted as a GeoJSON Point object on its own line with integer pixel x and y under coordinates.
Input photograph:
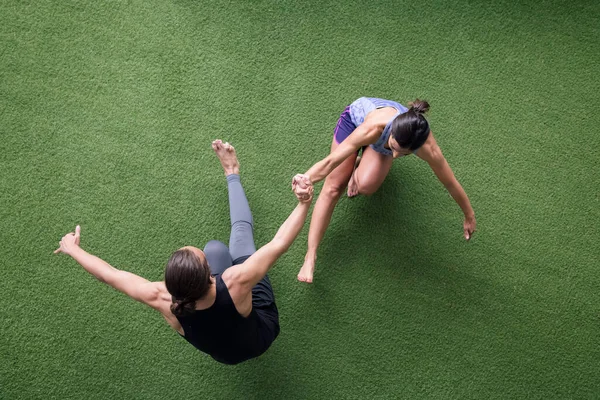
{"type": "Point", "coordinates": [187, 278]}
{"type": "Point", "coordinates": [411, 129]}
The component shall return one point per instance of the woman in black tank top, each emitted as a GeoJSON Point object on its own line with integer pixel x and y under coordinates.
{"type": "Point", "coordinates": [220, 300]}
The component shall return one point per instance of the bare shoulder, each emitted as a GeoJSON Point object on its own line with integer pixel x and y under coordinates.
{"type": "Point", "coordinates": [161, 291]}
{"type": "Point", "coordinates": [238, 286]}
{"type": "Point", "coordinates": [373, 125]}
{"type": "Point", "coordinates": [381, 116]}
{"type": "Point", "coordinates": [234, 277]}
{"type": "Point", "coordinates": [162, 303]}
{"type": "Point", "coordinates": [430, 151]}
{"type": "Point", "coordinates": [157, 295]}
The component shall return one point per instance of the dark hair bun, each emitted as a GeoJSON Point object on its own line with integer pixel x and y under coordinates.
{"type": "Point", "coordinates": [183, 307]}
{"type": "Point", "coordinates": [419, 106]}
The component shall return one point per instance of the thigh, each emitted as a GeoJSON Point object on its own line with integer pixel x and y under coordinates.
{"type": "Point", "coordinates": [241, 241]}
{"type": "Point", "coordinates": [218, 257]}
{"type": "Point", "coordinates": [241, 238]}
{"type": "Point", "coordinates": [372, 170]}
{"type": "Point", "coordinates": [262, 293]}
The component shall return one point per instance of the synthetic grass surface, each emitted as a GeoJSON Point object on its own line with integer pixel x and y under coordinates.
{"type": "Point", "coordinates": [107, 113]}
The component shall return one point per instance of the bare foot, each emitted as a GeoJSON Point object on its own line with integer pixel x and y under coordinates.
{"type": "Point", "coordinates": [227, 156]}
{"type": "Point", "coordinates": [307, 270]}
{"type": "Point", "coordinates": [352, 185]}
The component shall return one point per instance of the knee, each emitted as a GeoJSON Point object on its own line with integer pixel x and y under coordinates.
{"type": "Point", "coordinates": [367, 190]}
{"type": "Point", "coordinates": [215, 246]}
{"type": "Point", "coordinates": [332, 190]}
{"type": "Point", "coordinates": [365, 186]}
{"type": "Point", "coordinates": [242, 226]}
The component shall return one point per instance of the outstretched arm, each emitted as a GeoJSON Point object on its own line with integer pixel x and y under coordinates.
{"type": "Point", "coordinates": [132, 285]}
{"type": "Point", "coordinates": [442, 170]}
{"type": "Point", "coordinates": [256, 267]}
{"type": "Point", "coordinates": [363, 135]}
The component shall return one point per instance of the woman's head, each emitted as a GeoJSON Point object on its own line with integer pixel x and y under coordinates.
{"type": "Point", "coordinates": [410, 129]}
{"type": "Point", "coordinates": [187, 278]}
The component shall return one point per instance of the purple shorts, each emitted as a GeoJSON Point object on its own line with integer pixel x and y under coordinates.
{"type": "Point", "coordinates": [344, 126]}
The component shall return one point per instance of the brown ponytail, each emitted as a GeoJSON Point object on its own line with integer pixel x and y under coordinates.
{"type": "Point", "coordinates": [419, 106]}
{"type": "Point", "coordinates": [183, 307]}
{"type": "Point", "coordinates": [187, 278]}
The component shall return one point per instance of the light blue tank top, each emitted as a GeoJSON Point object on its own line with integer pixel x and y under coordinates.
{"type": "Point", "coordinates": [363, 106]}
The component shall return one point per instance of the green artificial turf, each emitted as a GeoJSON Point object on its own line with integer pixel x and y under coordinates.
{"type": "Point", "coordinates": [107, 111]}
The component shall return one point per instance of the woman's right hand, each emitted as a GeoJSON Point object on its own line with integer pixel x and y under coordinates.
{"type": "Point", "coordinates": [303, 188]}
{"type": "Point", "coordinates": [69, 242]}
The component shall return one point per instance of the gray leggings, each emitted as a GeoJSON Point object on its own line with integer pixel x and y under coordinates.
{"type": "Point", "coordinates": [241, 246]}
{"type": "Point", "coordinates": [241, 239]}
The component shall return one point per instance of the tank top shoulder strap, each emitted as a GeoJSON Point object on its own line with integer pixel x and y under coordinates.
{"type": "Point", "coordinates": [223, 297]}
{"type": "Point", "coordinates": [379, 145]}
{"type": "Point", "coordinates": [364, 105]}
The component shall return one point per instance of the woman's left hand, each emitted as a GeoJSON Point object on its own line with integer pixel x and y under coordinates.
{"type": "Point", "coordinates": [469, 227]}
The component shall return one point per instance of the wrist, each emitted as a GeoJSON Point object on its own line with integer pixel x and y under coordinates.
{"type": "Point", "coordinates": [73, 251]}
{"type": "Point", "coordinates": [470, 215]}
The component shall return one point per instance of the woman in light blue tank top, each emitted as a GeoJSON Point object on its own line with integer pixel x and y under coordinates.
{"type": "Point", "coordinates": [384, 130]}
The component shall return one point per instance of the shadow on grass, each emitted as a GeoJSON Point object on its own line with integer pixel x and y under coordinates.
{"type": "Point", "coordinates": [386, 281]}
{"type": "Point", "coordinates": [384, 224]}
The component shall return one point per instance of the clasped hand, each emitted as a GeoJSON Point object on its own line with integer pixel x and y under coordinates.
{"type": "Point", "coordinates": [303, 188]}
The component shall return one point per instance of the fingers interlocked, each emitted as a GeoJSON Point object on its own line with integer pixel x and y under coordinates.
{"type": "Point", "coordinates": [303, 187]}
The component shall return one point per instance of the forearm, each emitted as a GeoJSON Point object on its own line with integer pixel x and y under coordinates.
{"type": "Point", "coordinates": [94, 265]}
{"type": "Point", "coordinates": [320, 170]}
{"type": "Point", "coordinates": [259, 263]}
{"type": "Point", "coordinates": [461, 198]}
{"type": "Point", "coordinates": [292, 226]}
{"type": "Point", "coordinates": [364, 135]}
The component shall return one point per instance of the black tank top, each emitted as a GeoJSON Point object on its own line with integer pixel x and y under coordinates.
{"type": "Point", "coordinates": [224, 334]}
